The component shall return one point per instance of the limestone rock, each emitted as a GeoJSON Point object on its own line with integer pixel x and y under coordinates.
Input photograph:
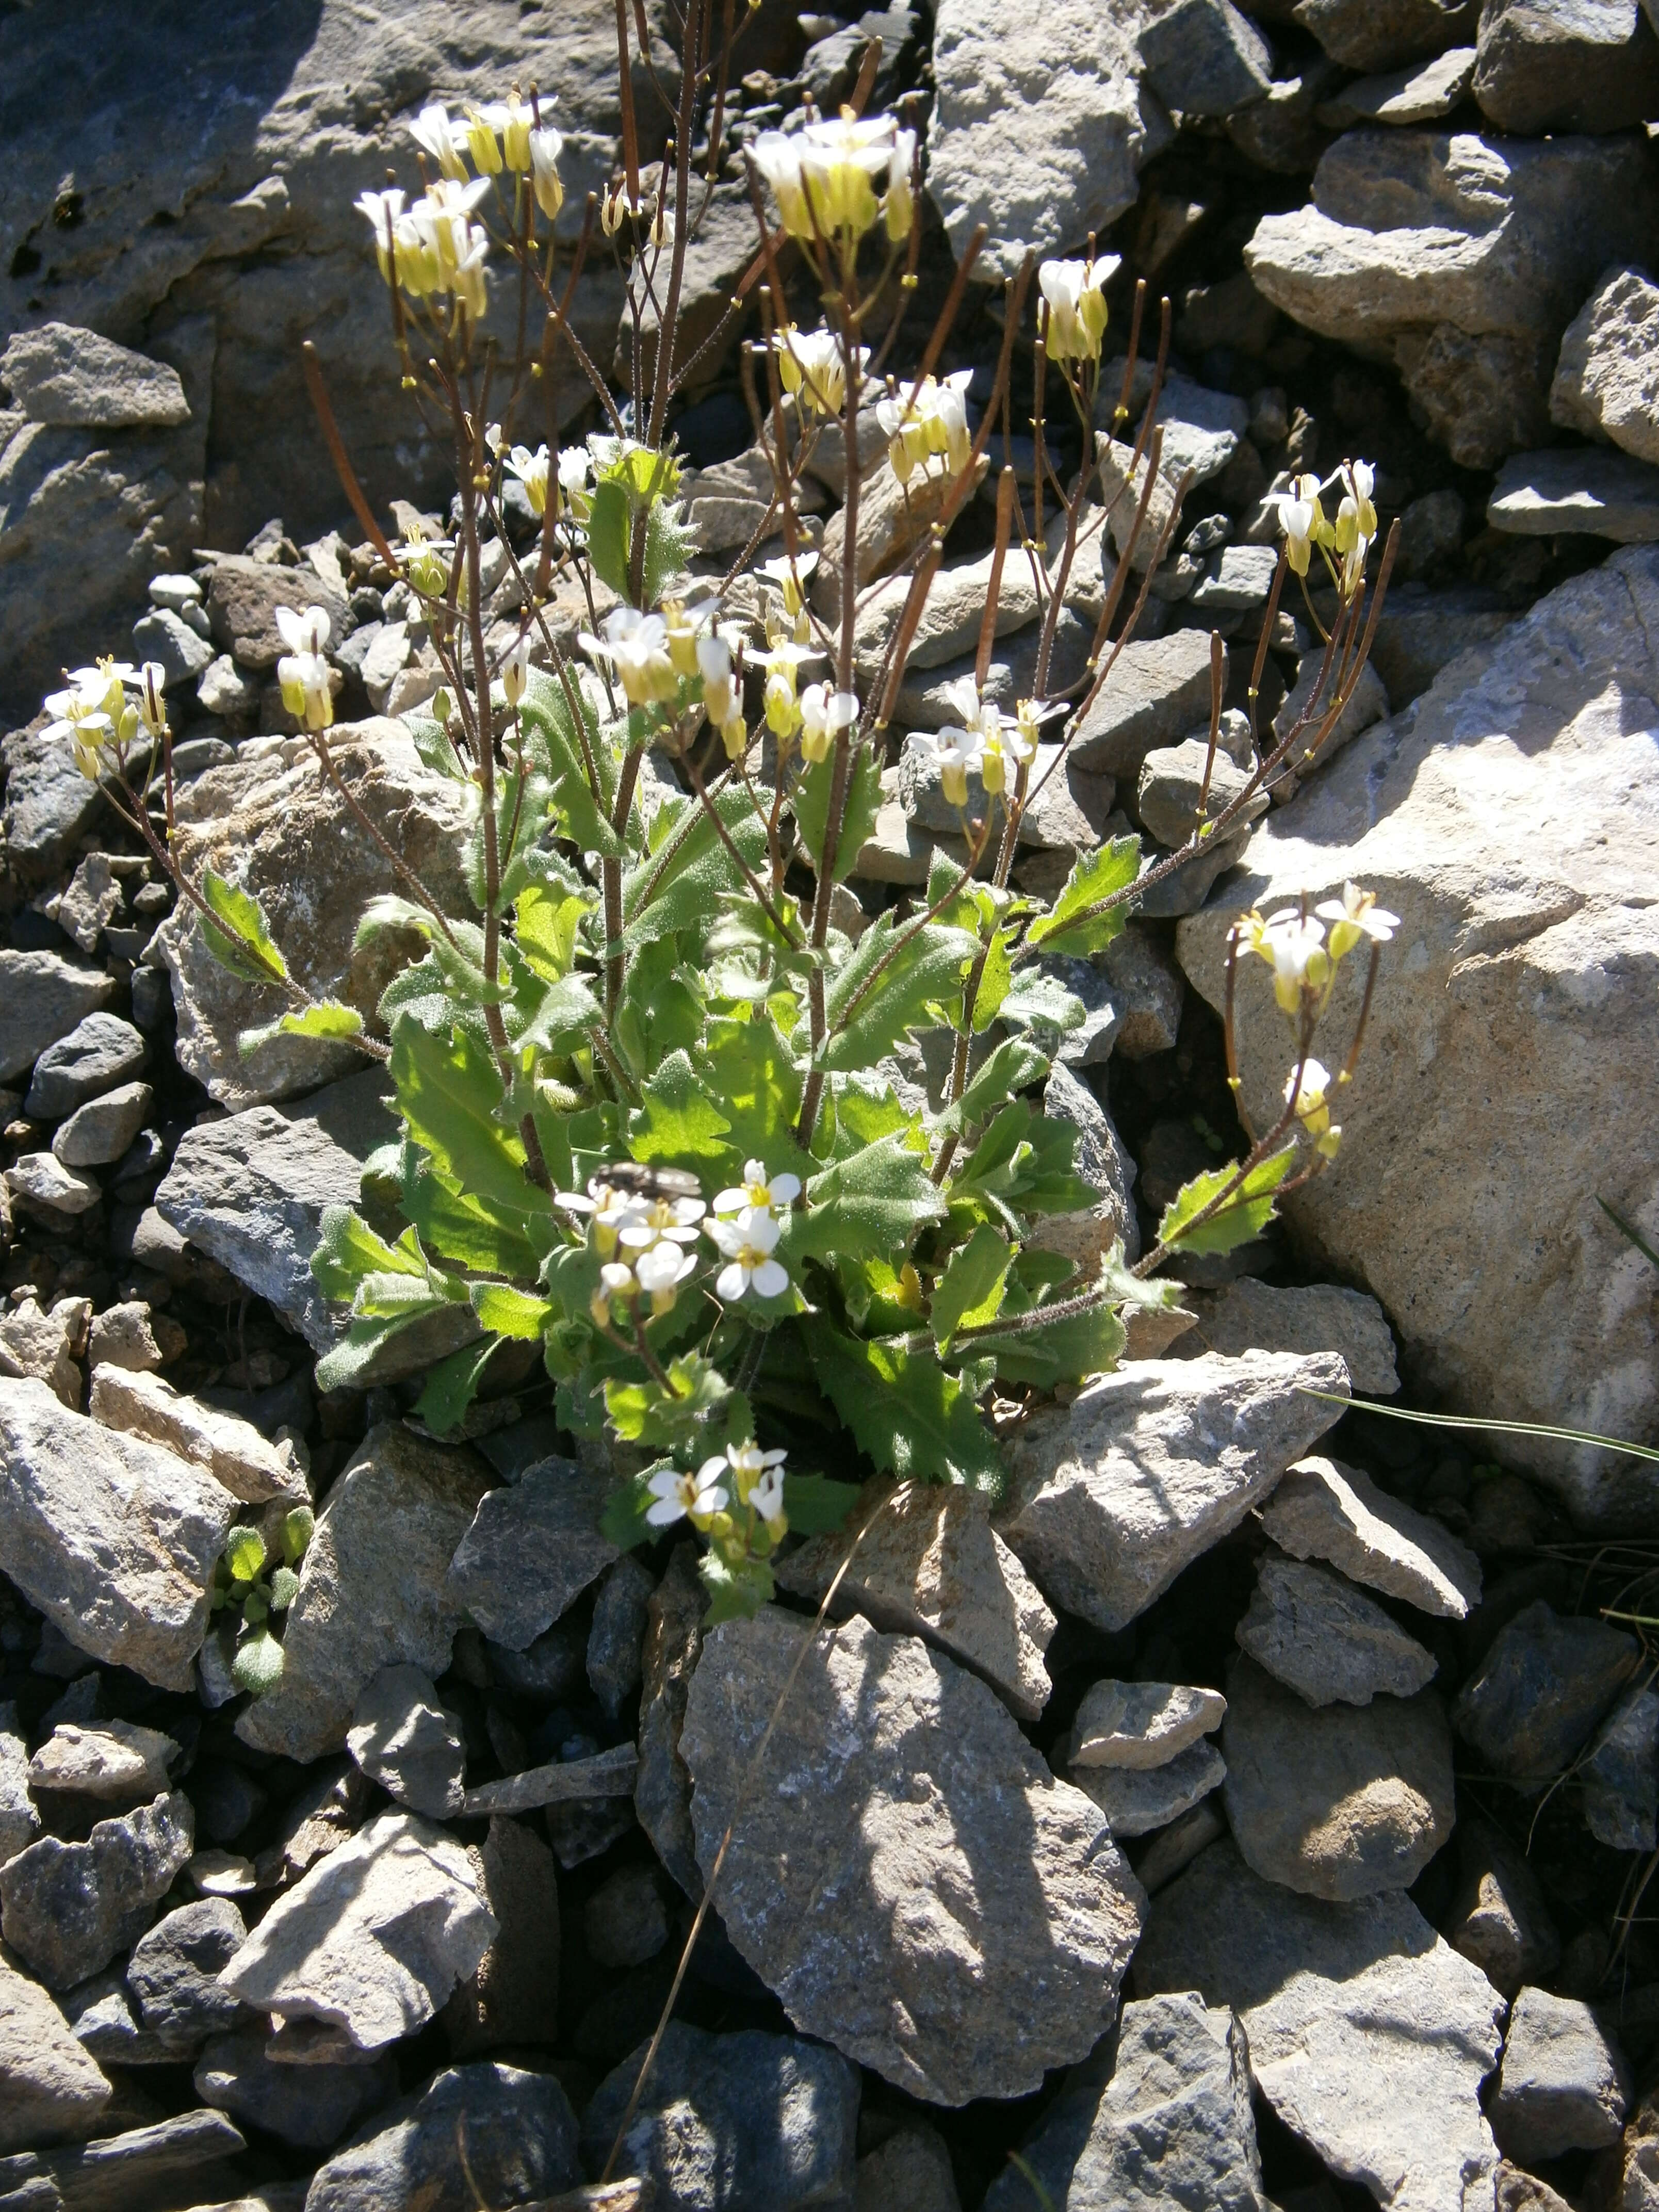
{"type": "Point", "coordinates": [43, 996]}
{"type": "Point", "coordinates": [1587, 490]}
{"type": "Point", "coordinates": [1545, 1680]}
{"type": "Point", "coordinates": [1438, 812]}
{"type": "Point", "coordinates": [934, 1567]}
{"type": "Point", "coordinates": [662, 1787]}
{"type": "Point", "coordinates": [1147, 989]}
{"type": "Point", "coordinates": [1160, 2118]}
{"type": "Point", "coordinates": [1204, 57]}
{"type": "Point", "coordinates": [242, 602]}
{"type": "Point", "coordinates": [1324, 1510]}
{"type": "Point", "coordinates": [1465, 258]}
{"type": "Point", "coordinates": [142, 2166]}
{"type": "Point", "coordinates": [1498, 1917]}
{"type": "Point", "coordinates": [98, 1134]}
{"type": "Point", "coordinates": [309, 2106]}
{"type": "Point", "coordinates": [1342, 1802]}
{"type": "Point", "coordinates": [1316, 1633]}
{"type": "Point", "coordinates": [42, 1180]}
{"type": "Point", "coordinates": [1039, 128]}
{"type": "Point", "coordinates": [1157, 690]}
{"type": "Point", "coordinates": [616, 1634]}
{"type": "Point", "coordinates": [66, 1908]}
{"type": "Point", "coordinates": [403, 1739]}
{"type": "Point", "coordinates": [912, 2168]}
{"type": "Point", "coordinates": [1110, 1496]}
{"type": "Point", "coordinates": [1620, 1776]}
{"type": "Point", "coordinates": [1248, 1315]}
{"type": "Point", "coordinates": [1368, 2036]}
{"type": "Point", "coordinates": [1560, 65]}
{"type": "Point", "coordinates": [861, 1866]}
{"type": "Point", "coordinates": [1420, 630]}
{"type": "Point", "coordinates": [533, 1548]}
{"type": "Point", "coordinates": [115, 1540]}
{"type": "Point", "coordinates": [49, 2087]}
{"type": "Point", "coordinates": [20, 1823]}
{"type": "Point", "coordinates": [1376, 35]}
{"type": "Point", "coordinates": [174, 1968]}
{"type": "Point", "coordinates": [1416, 92]}
{"type": "Point", "coordinates": [1606, 379]}
{"type": "Point", "coordinates": [276, 828]}
{"type": "Point", "coordinates": [1138, 1799]}
{"type": "Point", "coordinates": [115, 1762]}
{"type": "Point", "coordinates": [483, 2131]}
{"type": "Point", "coordinates": [373, 1939]}
{"type": "Point", "coordinates": [1562, 2085]}
{"type": "Point", "coordinates": [43, 1346]}
{"type": "Point", "coordinates": [61, 375]}
{"type": "Point", "coordinates": [893, 519]}
{"type": "Point", "coordinates": [181, 652]}
{"type": "Point", "coordinates": [98, 1052]}
{"type": "Point", "coordinates": [232, 1450]}
{"type": "Point", "coordinates": [1139, 1724]}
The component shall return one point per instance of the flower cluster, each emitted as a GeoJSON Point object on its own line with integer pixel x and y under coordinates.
{"type": "Point", "coordinates": [744, 1472]}
{"type": "Point", "coordinates": [1304, 955]}
{"type": "Point", "coordinates": [643, 1241]}
{"type": "Point", "coordinates": [1302, 519]}
{"type": "Point", "coordinates": [746, 1229]}
{"type": "Point", "coordinates": [93, 712]}
{"type": "Point", "coordinates": [984, 743]}
{"type": "Point", "coordinates": [812, 369]}
{"type": "Point", "coordinates": [928, 421]}
{"type": "Point", "coordinates": [836, 178]}
{"type": "Point", "coordinates": [1075, 294]}
{"type": "Point", "coordinates": [433, 247]}
{"type": "Point", "coordinates": [302, 672]}
{"type": "Point", "coordinates": [505, 134]}
{"type": "Point", "coordinates": [567, 484]}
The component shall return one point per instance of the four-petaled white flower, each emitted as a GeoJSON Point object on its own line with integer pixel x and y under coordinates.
{"type": "Point", "coordinates": [758, 1190]}
{"type": "Point", "coordinates": [1310, 1092]}
{"type": "Point", "coordinates": [789, 573]}
{"type": "Point", "coordinates": [812, 369]}
{"type": "Point", "coordinates": [746, 1244]}
{"type": "Point", "coordinates": [1354, 915]}
{"type": "Point", "coordinates": [757, 1476]}
{"type": "Point", "coordinates": [678, 1496]}
{"type": "Point", "coordinates": [434, 134]}
{"type": "Point", "coordinates": [576, 465]}
{"type": "Point", "coordinates": [532, 470]}
{"type": "Point", "coordinates": [1076, 295]}
{"type": "Point", "coordinates": [824, 178]}
{"type": "Point", "coordinates": [1294, 947]}
{"type": "Point", "coordinates": [382, 211]}
{"type": "Point", "coordinates": [545, 148]}
{"type": "Point", "coordinates": [637, 645]}
{"type": "Point", "coordinates": [662, 1269]}
{"type": "Point", "coordinates": [823, 714]}
{"type": "Point", "coordinates": [1302, 519]}
{"type": "Point", "coordinates": [303, 673]}
{"type": "Point", "coordinates": [959, 755]}
{"type": "Point", "coordinates": [654, 1220]}
{"type": "Point", "coordinates": [930, 421]}
{"type": "Point", "coordinates": [515, 669]}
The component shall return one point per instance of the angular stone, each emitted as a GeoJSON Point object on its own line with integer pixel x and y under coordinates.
{"type": "Point", "coordinates": [373, 1939]}
{"type": "Point", "coordinates": [1498, 1917]}
{"type": "Point", "coordinates": [1343, 1801]}
{"type": "Point", "coordinates": [49, 2087]}
{"type": "Point", "coordinates": [43, 1346]}
{"type": "Point", "coordinates": [662, 1787]}
{"type": "Point", "coordinates": [181, 653]}
{"type": "Point", "coordinates": [578, 1782]}
{"type": "Point", "coordinates": [1148, 990]}
{"type": "Point", "coordinates": [618, 1634]}
{"type": "Point", "coordinates": [1248, 1315]}
{"type": "Point", "coordinates": [309, 2106]}
{"type": "Point", "coordinates": [1420, 91]}
{"type": "Point", "coordinates": [232, 1450]}
{"type": "Point", "coordinates": [1069, 812]}
{"type": "Point", "coordinates": [174, 1968]}
{"type": "Point", "coordinates": [142, 2165]}
{"type": "Point", "coordinates": [1606, 379]}
{"type": "Point", "coordinates": [1545, 1682]}
{"type": "Point", "coordinates": [98, 1133]}
{"type": "Point", "coordinates": [1317, 1634]}
{"type": "Point", "coordinates": [86, 1057]}
{"type": "Point", "coordinates": [371, 1591]}
{"type": "Point", "coordinates": [1577, 489]}
{"type": "Point", "coordinates": [242, 602]}
{"type": "Point", "coordinates": [1158, 688]}
{"type": "Point", "coordinates": [1241, 578]}
{"type": "Point", "coordinates": [43, 1181]}
{"type": "Point", "coordinates": [775, 2119]}
{"type": "Point", "coordinates": [893, 519]}
{"type": "Point", "coordinates": [1160, 2118]}
{"type": "Point", "coordinates": [1111, 1497]}
{"type": "Point", "coordinates": [20, 1823]}
{"type": "Point", "coordinates": [480, 2131]}
{"type": "Point", "coordinates": [403, 1739]}
{"type": "Point", "coordinates": [61, 375]}
{"type": "Point", "coordinates": [1566, 65]}
{"type": "Point", "coordinates": [1307, 708]}
{"type": "Point", "coordinates": [1374, 34]}
{"type": "Point", "coordinates": [1620, 1776]}
{"type": "Point", "coordinates": [1368, 2036]}
{"type": "Point", "coordinates": [91, 902]}
{"type": "Point", "coordinates": [912, 2168]}
{"type": "Point", "coordinates": [861, 1893]}
{"type": "Point", "coordinates": [1324, 1510]}
{"type": "Point", "coordinates": [533, 1548]}
{"type": "Point", "coordinates": [512, 1996]}
{"type": "Point", "coordinates": [1563, 2085]}
{"type": "Point", "coordinates": [1141, 538]}
{"type": "Point", "coordinates": [1201, 429]}
{"type": "Point", "coordinates": [1140, 1725]}
{"type": "Point", "coordinates": [1203, 57]}
{"type": "Point", "coordinates": [115, 1762]}
{"type": "Point", "coordinates": [933, 1566]}
{"type": "Point", "coordinates": [1172, 777]}
{"type": "Point", "coordinates": [1138, 1799]}
{"type": "Point", "coordinates": [1039, 130]}
{"type": "Point", "coordinates": [66, 1908]}
{"type": "Point", "coordinates": [115, 1540]}
{"type": "Point", "coordinates": [1438, 811]}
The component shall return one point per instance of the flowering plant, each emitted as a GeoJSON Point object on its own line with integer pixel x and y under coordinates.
{"type": "Point", "coordinates": [652, 1121]}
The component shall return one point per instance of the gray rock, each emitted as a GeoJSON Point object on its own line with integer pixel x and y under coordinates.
{"type": "Point", "coordinates": [533, 1548]}
{"type": "Point", "coordinates": [1138, 1799]}
{"type": "Point", "coordinates": [1322, 1638]}
{"type": "Point", "coordinates": [1374, 34]}
{"type": "Point", "coordinates": [662, 1786]}
{"type": "Point", "coordinates": [145, 2166]}
{"type": "Point", "coordinates": [1248, 1315]}
{"type": "Point", "coordinates": [105, 2016]}
{"type": "Point", "coordinates": [625, 1921]}
{"type": "Point", "coordinates": [372, 1593]}
{"type": "Point", "coordinates": [1368, 2036]}
{"type": "Point", "coordinates": [115, 1763]}
{"type": "Point", "coordinates": [45, 996]}
{"type": "Point", "coordinates": [166, 638]}
{"type": "Point", "coordinates": [66, 1908]}
{"type": "Point", "coordinates": [1498, 1917]}
{"type": "Point", "coordinates": [1148, 991]}
{"type": "Point", "coordinates": [1160, 2118]}
{"type": "Point", "coordinates": [404, 1738]}
{"type": "Point", "coordinates": [1545, 1680]}
{"type": "Point", "coordinates": [43, 1346]}
{"type": "Point", "coordinates": [1204, 57]}
{"type": "Point", "coordinates": [1306, 711]}
{"type": "Point", "coordinates": [174, 1968]}
{"type": "Point", "coordinates": [1620, 1776]}
{"type": "Point", "coordinates": [309, 2106]}
{"type": "Point", "coordinates": [41, 1180]}
{"type": "Point", "coordinates": [177, 592]}
{"type": "Point", "coordinates": [1342, 1802]}
{"type": "Point", "coordinates": [510, 1997]}
{"type": "Point", "coordinates": [1069, 811]}
{"type": "Point", "coordinates": [743, 2122]}
{"type": "Point", "coordinates": [1172, 779]}
{"type": "Point", "coordinates": [930, 1564]}
{"type": "Point", "coordinates": [1591, 489]}
{"type": "Point", "coordinates": [1039, 130]}
{"type": "Point", "coordinates": [483, 2131]}
{"type": "Point", "coordinates": [1566, 65]}
{"type": "Point", "coordinates": [1419, 92]}
{"type": "Point", "coordinates": [99, 1132]}
{"type": "Point", "coordinates": [91, 902]}
{"type": "Point", "coordinates": [851, 1884]}
{"type": "Point", "coordinates": [373, 1939]}
{"type": "Point", "coordinates": [1201, 429]}
{"type": "Point", "coordinates": [549, 1670]}
{"type": "Point", "coordinates": [61, 375]}
{"type": "Point", "coordinates": [911, 2168]}
{"type": "Point", "coordinates": [1280, 133]}
{"type": "Point", "coordinates": [1139, 1724]}
{"type": "Point", "coordinates": [83, 1061]}
{"type": "Point", "coordinates": [1111, 1497]}
{"type": "Point", "coordinates": [223, 1445]}
{"type": "Point", "coordinates": [1563, 2084]}
{"type": "Point", "coordinates": [50, 2088]}
{"type": "Point", "coordinates": [1324, 1510]}
{"type": "Point", "coordinates": [225, 690]}
{"type": "Point", "coordinates": [115, 1540]}
{"type": "Point", "coordinates": [243, 598]}
{"type": "Point", "coordinates": [327, 1809]}
{"type": "Point", "coordinates": [1090, 1044]}
{"type": "Point", "coordinates": [123, 1337]}
{"type": "Point", "coordinates": [1464, 260]}
{"type": "Point", "coordinates": [1239, 577]}
{"type": "Point", "coordinates": [616, 1639]}
{"type": "Point", "coordinates": [20, 1823]}
{"type": "Point", "coordinates": [1157, 690]}
{"type": "Point", "coordinates": [1607, 383]}
{"type": "Point", "coordinates": [250, 1191]}
{"type": "Point", "coordinates": [578, 1780]}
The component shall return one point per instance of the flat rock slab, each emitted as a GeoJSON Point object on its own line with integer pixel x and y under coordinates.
{"type": "Point", "coordinates": [662, 1788]}
{"type": "Point", "coordinates": [906, 1874]}
{"type": "Point", "coordinates": [67, 1908]}
{"type": "Point", "coordinates": [1140, 1725]}
{"type": "Point", "coordinates": [1251, 1316]}
{"type": "Point", "coordinates": [1322, 1638]}
{"type": "Point", "coordinates": [371, 1590]}
{"type": "Point", "coordinates": [1325, 1510]}
{"type": "Point", "coordinates": [116, 1762]}
{"type": "Point", "coordinates": [142, 2166]}
{"type": "Point", "coordinates": [1545, 1680]}
{"type": "Point", "coordinates": [1160, 2119]}
{"type": "Point", "coordinates": [561, 1782]}
{"type": "Point", "coordinates": [1341, 1803]}
{"type": "Point", "coordinates": [533, 1548]}
{"type": "Point", "coordinates": [1111, 1497]}
{"type": "Point", "coordinates": [480, 2134]}
{"type": "Point", "coordinates": [1563, 2085]}
{"type": "Point", "coordinates": [49, 2087]}
{"type": "Point", "coordinates": [1584, 488]}
{"type": "Point", "coordinates": [233, 1451]}
{"type": "Point", "coordinates": [60, 374]}
{"type": "Point", "coordinates": [931, 1566]}
{"type": "Point", "coordinates": [43, 996]}
{"type": "Point", "coordinates": [404, 1738]}
{"type": "Point", "coordinates": [19, 1822]}
{"type": "Point", "coordinates": [776, 2118]}
{"type": "Point", "coordinates": [373, 1939]}
{"type": "Point", "coordinates": [1368, 2035]}
{"type": "Point", "coordinates": [1138, 1799]}
{"type": "Point", "coordinates": [114, 1539]}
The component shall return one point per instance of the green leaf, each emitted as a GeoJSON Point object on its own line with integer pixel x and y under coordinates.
{"type": "Point", "coordinates": [679, 887]}
{"type": "Point", "coordinates": [815, 1506]}
{"type": "Point", "coordinates": [669, 547]}
{"type": "Point", "coordinates": [448, 1090]}
{"type": "Point", "coordinates": [485, 1234]}
{"type": "Point", "coordinates": [1040, 1000]}
{"type": "Point", "coordinates": [996, 980]}
{"type": "Point", "coordinates": [284, 1588]}
{"type": "Point", "coordinates": [550, 726]}
{"type": "Point", "coordinates": [1062, 1351]}
{"type": "Point", "coordinates": [324, 1018]}
{"type": "Point", "coordinates": [433, 746]}
{"type": "Point", "coordinates": [451, 1386]}
{"type": "Point", "coordinates": [904, 1410]}
{"type": "Point", "coordinates": [810, 802]}
{"type": "Point", "coordinates": [258, 1666]}
{"type": "Point", "coordinates": [643, 1413]}
{"type": "Point", "coordinates": [245, 1553]}
{"type": "Point", "coordinates": [545, 918]}
{"type": "Point", "coordinates": [749, 1069]}
{"type": "Point", "coordinates": [970, 1289]}
{"type": "Point", "coordinates": [1070, 926]}
{"type": "Point", "coordinates": [869, 1205]}
{"type": "Point", "coordinates": [299, 1525]}
{"type": "Point", "coordinates": [1014, 1065]}
{"type": "Point", "coordinates": [609, 512]}
{"type": "Point", "coordinates": [505, 1312]}
{"type": "Point", "coordinates": [886, 985]}
{"type": "Point", "coordinates": [623, 1521]}
{"type": "Point", "coordinates": [738, 1590]}
{"type": "Point", "coordinates": [568, 1010]}
{"type": "Point", "coordinates": [239, 937]}
{"type": "Point", "coordinates": [348, 1249]}
{"type": "Point", "coordinates": [678, 1123]}
{"type": "Point", "coordinates": [1244, 1217]}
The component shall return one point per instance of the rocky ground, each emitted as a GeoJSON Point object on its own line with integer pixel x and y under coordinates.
{"type": "Point", "coordinates": [1379, 1781]}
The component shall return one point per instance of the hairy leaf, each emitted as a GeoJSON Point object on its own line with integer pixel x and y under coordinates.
{"type": "Point", "coordinates": [1244, 1216]}
{"type": "Point", "coordinates": [886, 985]}
{"type": "Point", "coordinates": [324, 1018]}
{"type": "Point", "coordinates": [643, 1413]}
{"type": "Point", "coordinates": [677, 888]}
{"type": "Point", "coordinates": [448, 1092]}
{"type": "Point", "coordinates": [679, 1121]}
{"type": "Point", "coordinates": [239, 936]}
{"type": "Point", "coordinates": [814, 1505]}
{"type": "Point", "coordinates": [505, 1311]}
{"type": "Point", "coordinates": [909, 1415]}
{"type": "Point", "coordinates": [451, 1386]}
{"type": "Point", "coordinates": [348, 1249]}
{"type": "Point", "coordinates": [869, 1205]}
{"type": "Point", "coordinates": [810, 802]}
{"type": "Point", "coordinates": [970, 1289]}
{"type": "Point", "coordinates": [1064, 1350]}
{"type": "Point", "coordinates": [1071, 927]}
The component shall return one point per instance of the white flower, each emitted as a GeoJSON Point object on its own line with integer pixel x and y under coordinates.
{"type": "Point", "coordinates": [307, 690]}
{"type": "Point", "coordinates": [514, 120]}
{"type": "Point", "coordinates": [637, 645]}
{"type": "Point", "coordinates": [790, 575]}
{"type": "Point", "coordinates": [959, 755]}
{"type": "Point", "coordinates": [575, 464]}
{"type": "Point", "coordinates": [1354, 915]}
{"type": "Point", "coordinates": [545, 148]}
{"type": "Point", "coordinates": [824, 177]}
{"type": "Point", "coordinates": [668, 1220]}
{"type": "Point", "coordinates": [434, 134]}
{"type": "Point", "coordinates": [679, 1495]}
{"type": "Point", "coordinates": [758, 1191]}
{"type": "Point", "coordinates": [812, 369]}
{"type": "Point", "coordinates": [615, 1281]}
{"type": "Point", "coordinates": [898, 204]}
{"type": "Point", "coordinates": [932, 420]}
{"type": "Point", "coordinates": [152, 706]}
{"type": "Point", "coordinates": [306, 633]}
{"type": "Point", "coordinates": [1293, 948]}
{"type": "Point", "coordinates": [1308, 1102]}
{"type": "Point", "coordinates": [1302, 519]}
{"type": "Point", "coordinates": [515, 669]}
{"type": "Point", "coordinates": [746, 1244]}
{"type": "Point", "coordinates": [1356, 518]}
{"type": "Point", "coordinates": [470, 288]}
{"type": "Point", "coordinates": [662, 1269]}
{"type": "Point", "coordinates": [714, 667]}
{"type": "Point", "coordinates": [756, 1475]}
{"type": "Point", "coordinates": [1076, 294]}
{"type": "Point", "coordinates": [609, 1210]}
{"type": "Point", "coordinates": [782, 661]}
{"type": "Point", "coordinates": [532, 471]}
{"type": "Point", "coordinates": [767, 1497]}
{"type": "Point", "coordinates": [381, 210]}
{"type": "Point", "coordinates": [823, 714]}
{"type": "Point", "coordinates": [81, 714]}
